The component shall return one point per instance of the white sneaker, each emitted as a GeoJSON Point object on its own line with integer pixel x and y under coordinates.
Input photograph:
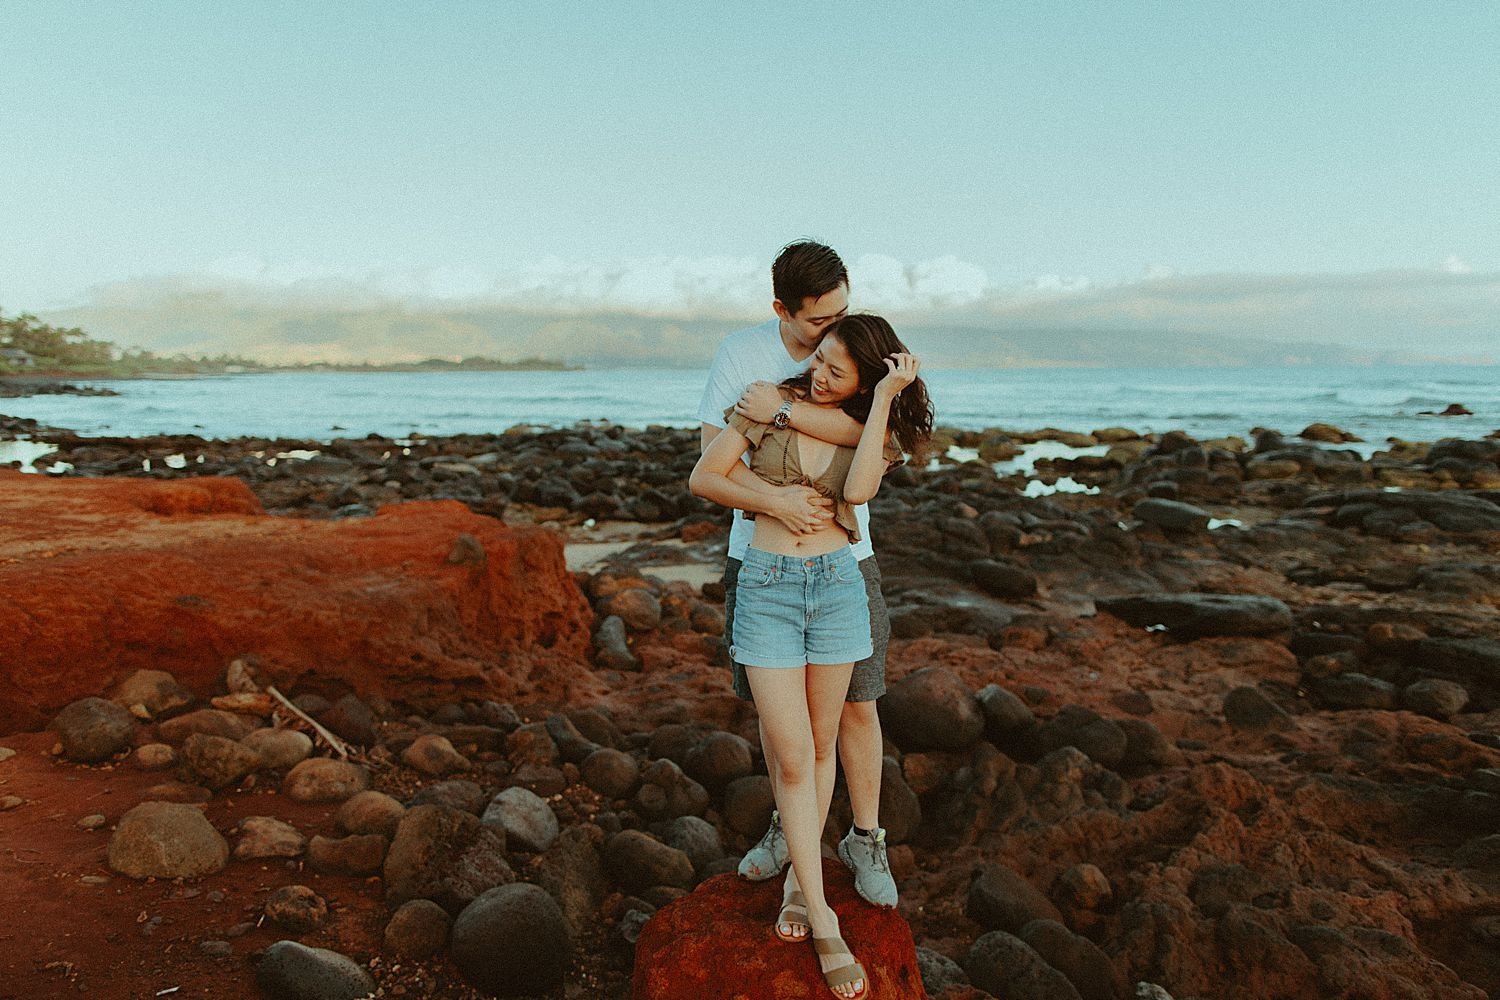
{"type": "Point", "coordinates": [767, 858]}
{"type": "Point", "coordinates": [866, 858]}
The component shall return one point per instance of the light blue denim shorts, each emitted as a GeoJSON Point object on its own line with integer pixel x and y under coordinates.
{"type": "Point", "coordinates": [791, 611]}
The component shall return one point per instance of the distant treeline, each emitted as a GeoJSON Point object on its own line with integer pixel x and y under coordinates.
{"type": "Point", "coordinates": [29, 345]}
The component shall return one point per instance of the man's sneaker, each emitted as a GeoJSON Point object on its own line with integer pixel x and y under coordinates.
{"type": "Point", "coordinates": [866, 858]}
{"type": "Point", "coordinates": [767, 858]}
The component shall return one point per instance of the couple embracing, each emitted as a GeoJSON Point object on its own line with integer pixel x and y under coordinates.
{"type": "Point", "coordinates": [801, 418]}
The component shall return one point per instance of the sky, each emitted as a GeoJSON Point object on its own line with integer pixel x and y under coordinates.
{"type": "Point", "coordinates": [654, 156]}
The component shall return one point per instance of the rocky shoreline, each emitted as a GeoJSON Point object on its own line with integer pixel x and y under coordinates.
{"type": "Point", "coordinates": [1226, 725]}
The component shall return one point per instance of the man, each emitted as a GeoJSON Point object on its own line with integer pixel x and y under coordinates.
{"type": "Point", "coordinates": [811, 287]}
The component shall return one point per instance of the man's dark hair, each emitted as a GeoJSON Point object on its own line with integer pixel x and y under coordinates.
{"type": "Point", "coordinates": [806, 270]}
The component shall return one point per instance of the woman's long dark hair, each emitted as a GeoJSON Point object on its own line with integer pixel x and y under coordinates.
{"type": "Point", "coordinates": [869, 341]}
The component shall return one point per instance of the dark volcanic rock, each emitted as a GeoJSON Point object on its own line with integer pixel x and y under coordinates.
{"type": "Point", "coordinates": [1006, 966]}
{"type": "Point", "coordinates": [1191, 616]}
{"type": "Point", "coordinates": [931, 709]}
{"type": "Point", "coordinates": [513, 940]}
{"type": "Point", "coordinates": [292, 971]}
{"type": "Point", "coordinates": [1173, 515]}
{"type": "Point", "coordinates": [999, 899]}
{"type": "Point", "coordinates": [446, 856]}
{"type": "Point", "coordinates": [1248, 708]}
{"type": "Point", "coordinates": [93, 729]}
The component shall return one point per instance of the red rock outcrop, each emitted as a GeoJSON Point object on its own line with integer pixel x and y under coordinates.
{"type": "Point", "coordinates": [423, 602]}
{"type": "Point", "coordinates": [717, 944]}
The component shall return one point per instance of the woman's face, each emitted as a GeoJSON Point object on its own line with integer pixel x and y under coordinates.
{"type": "Point", "coordinates": [834, 375]}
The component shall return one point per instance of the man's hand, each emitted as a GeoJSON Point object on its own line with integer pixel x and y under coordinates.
{"type": "Point", "coordinates": [802, 509]}
{"type": "Point", "coordinates": [759, 402]}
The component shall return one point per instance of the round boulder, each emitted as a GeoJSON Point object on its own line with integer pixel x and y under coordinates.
{"type": "Point", "coordinates": [638, 861]}
{"type": "Point", "coordinates": [418, 929]}
{"type": "Point", "coordinates": [292, 971]}
{"type": "Point", "coordinates": [611, 773]}
{"type": "Point", "coordinates": [166, 840]}
{"type": "Point", "coordinates": [512, 940]}
{"type": "Point", "coordinates": [528, 821]}
{"type": "Point", "coordinates": [279, 749]}
{"type": "Point", "coordinates": [369, 812]}
{"type": "Point", "coordinates": [323, 779]}
{"type": "Point", "coordinates": [931, 709]}
{"type": "Point", "coordinates": [93, 729]}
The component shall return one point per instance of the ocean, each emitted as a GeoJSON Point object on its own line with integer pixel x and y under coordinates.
{"type": "Point", "coordinates": [1374, 403]}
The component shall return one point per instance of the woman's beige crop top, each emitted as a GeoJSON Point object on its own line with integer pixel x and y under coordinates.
{"type": "Point", "coordinates": [774, 458]}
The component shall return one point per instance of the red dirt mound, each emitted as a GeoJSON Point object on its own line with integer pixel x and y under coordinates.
{"type": "Point", "coordinates": [423, 602]}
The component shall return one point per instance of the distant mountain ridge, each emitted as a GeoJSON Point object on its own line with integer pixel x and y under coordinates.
{"type": "Point", "coordinates": [292, 329]}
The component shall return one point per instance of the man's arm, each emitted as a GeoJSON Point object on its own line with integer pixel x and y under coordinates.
{"type": "Point", "coordinates": [800, 508]}
{"type": "Point", "coordinates": [761, 400]}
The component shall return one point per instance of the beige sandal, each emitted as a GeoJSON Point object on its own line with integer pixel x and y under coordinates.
{"type": "Point", "coordinates": [844, 975]}
{"type": "Point", "coordinates": [794, 914]}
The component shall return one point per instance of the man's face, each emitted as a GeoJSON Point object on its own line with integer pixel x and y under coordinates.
{"type": "Point", "coordinates": [809, 323]}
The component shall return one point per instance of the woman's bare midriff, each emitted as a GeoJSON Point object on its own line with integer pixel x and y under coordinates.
{"type": "Point", "coordinates": [773, 536]}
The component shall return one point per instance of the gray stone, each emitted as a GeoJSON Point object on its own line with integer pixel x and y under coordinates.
{"type": "Point", "coordinates": [528, 821]}
{"type": "Point", "coordinates": [1171, 515]}
{"type": "Point", "coordinates": [433, 755]}
{"type": "Point", "coordinates": [637, 862]}
{"type": "Point", "coordinates": [209, 722]}
{"type": "Point", "coordinates": [1145, 746]}
{"type": "Point", "coordinates": [323, 779]}
{"type": "Point", "coordinates": [748, 803]}
{"type": "Point", "coordinates": [369, 812]}
{"type": "Point", "coordinates": [696, 838]}
{"type": "Point", "coordinates": [1004, 713]}
{"type": "Point", "coordinates": [638, 608]}
{"type": "Point", "coordinates": [444, 855]}
{"type": "Point", "coordinates": [612, 646]}
{"type": "Point", "coordinates": [216, 762]}
{"type": "Point", "coordinates": [268, 837]}
{"type": "Point", "coordinates": [1075, 956]}
{"type": "Point", "coordinates": [1191, 616]}
{"type": "Point", "coordinates": [1353, 691]}
{"type": "Point", "coordinates": [1249, 708]}
{"type": "Point", "coordinates": [152, 757]}
{"type": "Point", "coordinates": [292, 971]}
{"type": "Point", "coordinates": [279, 749]}
{"type": "Point", "coordinates": [719, 759]}
{"type": "Point", "coordinates": [459, 793]}
{"type": "Point", "coordinates": [154, 690]}
{"type": "Point", "coordinates": [572, 745]}
{"type": "Point", "coordinates": [166, 840]}
{"type": "Point", "coordinates": [418, 929]}
{"type": "Point", "coordinates": [931, 709]}
{"type": "Point", "coordinates": [512, 940]}
{"type": "Point", "coordinates": [1006, 966]}
{"type": "Point", "coordinates": [939, 972]}
{"type": "Point", "coordinates": [572, 872]}
{"type": "Point", "coordinates": [352, 720]}
{"type": "Point", "coordinates": [296, 909]}
{"type": "Point", "coordinates": [93, 729]}
{"type": "Point", "coordinates": [666, 792]}
{"type": "Point", "coordinates": [1437, 698]}
{"type": "Point", "coordinates": [900, 809]}
{"type": "Point", "coordinates": [611, 773]}
{"type": "Point", "coordinates": [1100, 739]}
{"type": "Point", "coordinates": [1003, 580]}
{"type": "Point", "coordinates": [999, 899]}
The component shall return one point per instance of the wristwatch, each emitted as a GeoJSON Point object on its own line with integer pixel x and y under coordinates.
{"type": "Point", "coordinates": [783, 415]}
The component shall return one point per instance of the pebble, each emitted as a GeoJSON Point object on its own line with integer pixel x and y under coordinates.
{"type": "Point", "coordinates": [279, 749]}
{"type": "Point", "coordinates": [434, 755]}
{"type": "Point", "coordinates": [418, 929]}
{"type": "Point", "coordinates": [296, 908]}
{"type": "Point", "coordinates": [8, 802]}
{"type": "Point", "coordinates": [268, 837]}
{"type": "Point", "coordinates": [358, 854]}
{"type": "Point", "coordinates": [93, 729]}
{"type": "Point", "coordinates": [152, 757]}
{"type": "Point", "coordinates": [369, 812]}
{"type": "Point", "coordinates": [216, 949]}
{"type": "Point", "coordinates": [611, 773]}
{"type": "Point", "coordinates": [93, 821]}
{"type": "Point", "coordinates": [6, 753]}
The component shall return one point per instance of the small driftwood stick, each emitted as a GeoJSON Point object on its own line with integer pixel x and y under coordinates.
{"type": "Point", "coordinates": [338, 745]}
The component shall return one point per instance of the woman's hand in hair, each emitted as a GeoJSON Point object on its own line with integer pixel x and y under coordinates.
{"type": "Point", "coordinates": [901, 371]}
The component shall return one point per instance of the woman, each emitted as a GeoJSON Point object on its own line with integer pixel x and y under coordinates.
{"type": "Point", "coordinates": [802, 620]}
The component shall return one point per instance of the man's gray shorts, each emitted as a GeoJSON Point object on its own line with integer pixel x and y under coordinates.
{"type": "Point", "coordinates": [868, 682]}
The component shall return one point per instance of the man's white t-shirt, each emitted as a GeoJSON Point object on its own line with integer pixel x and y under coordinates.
{"type": "Point", "coordinates": [757, 355]}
